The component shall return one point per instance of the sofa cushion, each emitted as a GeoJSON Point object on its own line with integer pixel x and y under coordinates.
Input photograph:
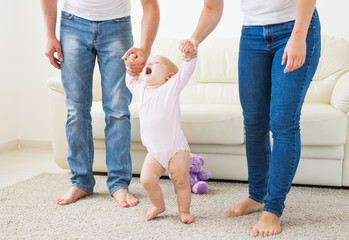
{"type": "Point", "coordinates": [213, 123]}
{"type": "Point", "coordinates": [323, 125]}
{"type": "Point", "coordinates": [201, 123]}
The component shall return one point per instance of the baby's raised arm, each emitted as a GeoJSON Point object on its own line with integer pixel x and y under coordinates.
{"type": "Point", "coordinates": [184, 73]}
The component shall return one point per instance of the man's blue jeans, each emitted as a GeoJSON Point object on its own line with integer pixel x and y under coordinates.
{"type": "Point", "coordinates": [271, 101]}
{"type": "Point", "coordinates": [82, 42]}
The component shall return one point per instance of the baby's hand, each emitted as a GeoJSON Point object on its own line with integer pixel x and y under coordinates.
{"type": "Point", "coordinates": [131, 58]}
{"type": "Point", "coordinates": [188, 49]}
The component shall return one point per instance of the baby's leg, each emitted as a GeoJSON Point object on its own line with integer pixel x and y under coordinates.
{"type": "Point", "coordinates": [150, 176]}
{"type": "Point", "coordinates": [179, 169]}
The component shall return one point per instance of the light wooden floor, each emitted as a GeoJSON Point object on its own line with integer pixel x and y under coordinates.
{"type": "Point", "coordinates": [18, 165]}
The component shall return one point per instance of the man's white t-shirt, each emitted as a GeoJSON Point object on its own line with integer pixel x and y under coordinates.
{"type": "Point", "coordinates": [98, 10]}
{"type": "Point", "coordinates": [265, 12]}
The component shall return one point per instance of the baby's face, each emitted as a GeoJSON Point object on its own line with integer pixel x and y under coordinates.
{"type": "Point", "coordinates": [157, 71]}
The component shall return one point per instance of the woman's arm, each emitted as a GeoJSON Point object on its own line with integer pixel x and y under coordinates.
{"type": "Point", "coordinates": [295, 50]}
{"type": "Point", "coordinates": [209, 19]}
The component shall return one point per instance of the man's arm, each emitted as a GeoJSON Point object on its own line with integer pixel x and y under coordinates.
{"type": "Point", "coordinates": [295, 50]}
{"type": "Point", "coordinates": [49, 9]}
{"type": "Point", "coordinates": [209, 19]}
{"type": "Point", "coordinates": [150, 25]}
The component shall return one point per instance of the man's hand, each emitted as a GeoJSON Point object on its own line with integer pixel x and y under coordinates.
{"type": "Point", "coordinates": [139, 60]}
{"type": "Point", "coordinates": [188, 49]}
{"type": "Point", "coordinates": [53, 46]}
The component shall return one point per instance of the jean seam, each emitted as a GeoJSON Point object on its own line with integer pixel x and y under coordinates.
{"type": "Point", "coordinates": [299, 98]}
{"type": "Point", "coordinates": [87, 189]}
{"type": "Point", "coordinates": [118, 187]}
{"type": "Point", "coordinates": [90, 125]}
{"type": "Point", "coordinates": [255, 199]}
{"type": "Point", "coordinates": [272, 211]}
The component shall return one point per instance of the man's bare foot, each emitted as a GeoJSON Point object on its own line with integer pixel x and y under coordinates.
{"type": "Point", "coordinates": [124, 198]}
{"type": "Point", "coordinates": [186, 217]}
{"type": "Point", "coordinates": [246, 207]}
{"type": "Point", "coordinates": [152, 213]}
{"type": "Point", "coordinates": [268, 225]}
{"type": "Point", "coordinates": [71, 196]}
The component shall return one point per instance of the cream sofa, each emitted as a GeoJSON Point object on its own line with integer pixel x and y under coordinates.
{"type": "Point", "coordinates": [212, 116]}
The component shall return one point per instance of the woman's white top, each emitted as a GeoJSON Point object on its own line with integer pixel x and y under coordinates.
{"type": "Point", "coordinates": [265, 12]}
{"type": "Point", "coordinates": [98, 10]}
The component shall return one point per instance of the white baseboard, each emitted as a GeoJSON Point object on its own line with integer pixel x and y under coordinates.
{"type": "Point", "coordinates": [24, 143]}
{"type": "Point", "coordinates": [8, 146]}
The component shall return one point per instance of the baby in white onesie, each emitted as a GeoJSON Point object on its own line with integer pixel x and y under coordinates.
{"type": "Point", "coordinates": [161, 133]}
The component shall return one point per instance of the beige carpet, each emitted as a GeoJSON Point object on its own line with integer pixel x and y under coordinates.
{"type": "Point", "coordinates": [27, 211]}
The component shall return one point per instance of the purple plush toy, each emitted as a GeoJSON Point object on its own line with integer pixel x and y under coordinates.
{"type": "Point", "coordinates": [197, 177]}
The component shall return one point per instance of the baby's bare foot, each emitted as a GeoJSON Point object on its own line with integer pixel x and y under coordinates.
{"type": "Point", "coordinates": [71, 196]}
{"type": "Point", "coordinates": [152, 213]}
{"type": "Point", "coordinates": [124, 198]}
{"type": "Point", "coordinates": [186, 217]}
{"type": "Point", "coordinates": [268, 225]}
{"type": "Point", "coordinates": [246, 207]}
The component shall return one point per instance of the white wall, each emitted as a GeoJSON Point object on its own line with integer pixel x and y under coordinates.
{"type": "Point", "coordinates": [178, 20]}
{"type": "Point", "coordinates": [33, 117]}
{"type": "Point", "coordinates": [8, 92]}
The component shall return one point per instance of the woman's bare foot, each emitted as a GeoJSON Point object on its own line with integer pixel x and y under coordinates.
{"type": "Point", "coordinates": [152, 213]}
{"type": "Point", "coordinates": [268, 225]}
{"type": "Point", "coordinates": [71, 196]}
{"type": "Point", "coordinates": [246, 207]}
{"type": "Point", "coordinates": [124, 198]}
{"type": "Point", "coordinates": [186, 217]}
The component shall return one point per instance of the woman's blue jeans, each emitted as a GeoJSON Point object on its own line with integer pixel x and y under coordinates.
{"type": "Point", "coordinates": [272, 101]}
{"type": "Point", "coordinates": [82, 42]}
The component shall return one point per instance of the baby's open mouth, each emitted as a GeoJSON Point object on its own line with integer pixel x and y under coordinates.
{"type": "Point", "coordinates": [148, 71]}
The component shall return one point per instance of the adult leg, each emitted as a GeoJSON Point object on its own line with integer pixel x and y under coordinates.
{"type": "Point", "coordinates": [288, 93]}
{"type": "Point", "coordinates": [114, 40]}
{"type": "Point", "coordinates": [179, 170]}
{"type": "Point", "coordinates": [76, 72]}
{"type": "Point", "coordinates": [255, 61]}
{"type": "Point", "coordinates": [150, 176]}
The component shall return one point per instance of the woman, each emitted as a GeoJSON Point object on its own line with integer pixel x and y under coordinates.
{"type": "Point", "coordinates": [278, 56]}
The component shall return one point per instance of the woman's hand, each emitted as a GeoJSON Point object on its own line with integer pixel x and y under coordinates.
{"type": "Point", "coordinates": [188, 49]}
{"type": "Point", "coordinates": [294, 53]}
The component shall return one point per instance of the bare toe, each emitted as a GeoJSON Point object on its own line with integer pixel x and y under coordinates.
{"type": "Point", "coordinates": [254, 233]}
{"type": "Point", "coordinates": [124, 198]}
{"type": "Point", "coordinates": [186, 218]}
{"type": "Point", "coordinates": [246, 207]}
{"type": "Point", "coordinates": [154, 212]}
{"type": "Point", "coordinates": [268, 225]}
{"type": "Point", "coordinates": [71, 196]}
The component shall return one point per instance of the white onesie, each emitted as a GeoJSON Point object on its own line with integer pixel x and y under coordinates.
{"type": "Point", "coordinates": [159, 114]}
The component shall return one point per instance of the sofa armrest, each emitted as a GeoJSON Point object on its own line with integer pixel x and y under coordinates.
{"type": "Point", "coordinates": [55, 84]}
{"type": "Point", "coordinates": [340, 94]}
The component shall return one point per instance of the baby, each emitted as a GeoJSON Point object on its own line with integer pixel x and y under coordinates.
{"type": "Point", "coordinates": [161, 133]}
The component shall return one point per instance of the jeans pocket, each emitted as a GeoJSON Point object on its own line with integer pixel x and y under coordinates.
{"type": "Point", "coordinates": [66, 15]}
{"type": "Point", "coordinates": [123, 19]}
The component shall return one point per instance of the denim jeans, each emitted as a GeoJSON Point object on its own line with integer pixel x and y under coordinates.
{"type": "Point", "coordinates": [271, 101]}
{"type": "Point", "coordinates": [82, 42]}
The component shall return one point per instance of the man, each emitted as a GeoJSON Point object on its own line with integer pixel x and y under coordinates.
{"type": "Point", "coordinates": [98, 29]}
